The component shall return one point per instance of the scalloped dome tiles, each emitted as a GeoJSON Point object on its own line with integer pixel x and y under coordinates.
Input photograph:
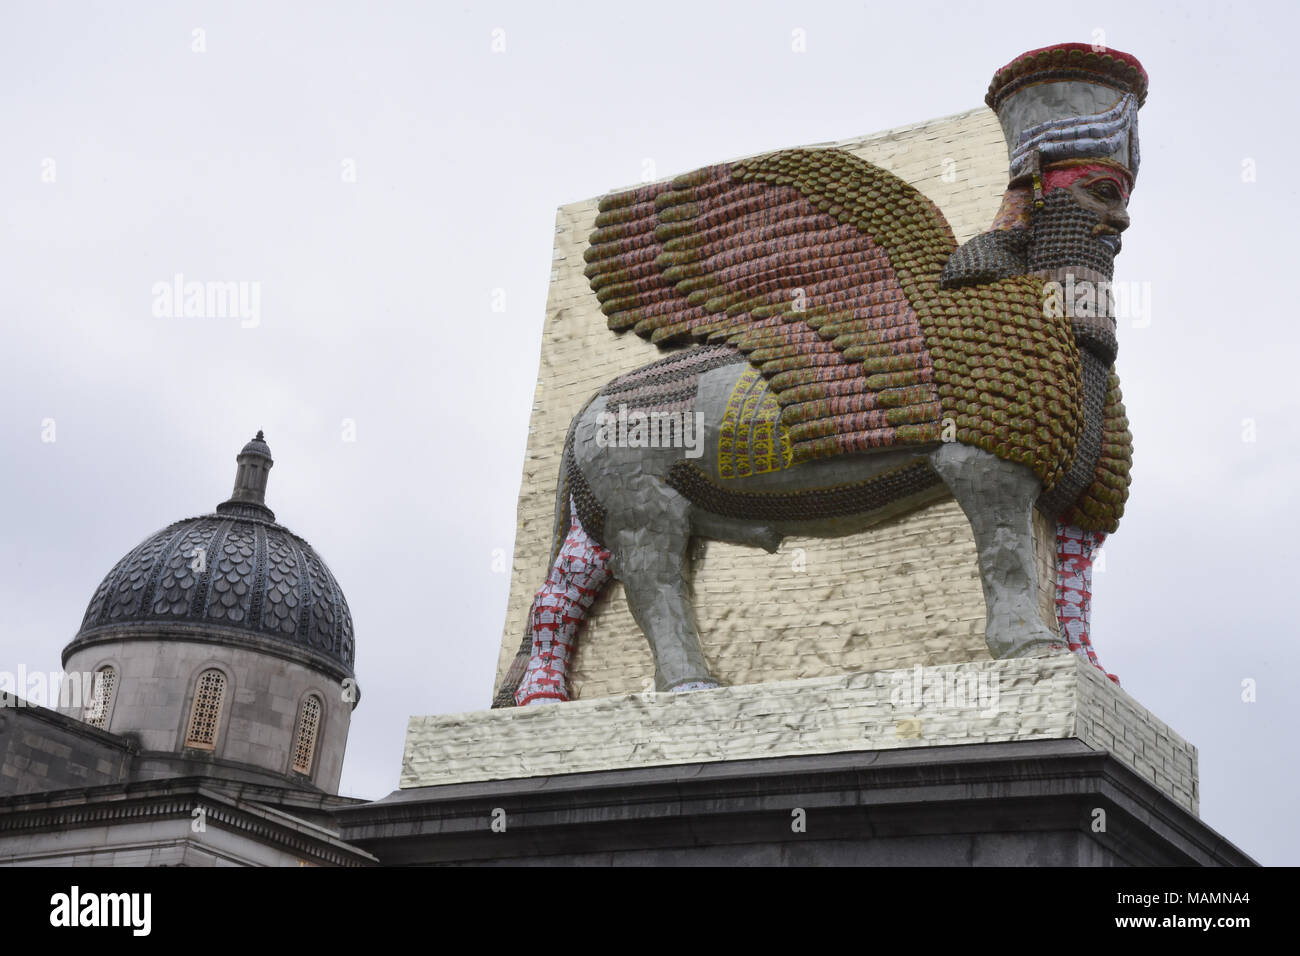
{"type": "Point", "coordinates": [235, 569]}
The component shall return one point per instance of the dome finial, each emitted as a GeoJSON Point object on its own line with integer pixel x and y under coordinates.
{"type": "Point", "coordinates": [254, 466]}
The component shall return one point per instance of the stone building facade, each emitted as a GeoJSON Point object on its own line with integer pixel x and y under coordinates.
{"type": "Point", "coordinates": [213, 687]}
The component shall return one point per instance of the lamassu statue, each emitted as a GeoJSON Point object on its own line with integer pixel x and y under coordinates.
{"type": "Point", "coordinates": [846, 362]}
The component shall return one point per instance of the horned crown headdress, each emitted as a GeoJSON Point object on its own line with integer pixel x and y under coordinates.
{"type": "Point", "coordinates": [1071, 101]}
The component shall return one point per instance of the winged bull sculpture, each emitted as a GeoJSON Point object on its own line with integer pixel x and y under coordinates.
{"type": "Point", "coordinates": [840, 361]}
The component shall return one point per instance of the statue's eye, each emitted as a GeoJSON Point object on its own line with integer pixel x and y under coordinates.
{"type": "Point", "coordinates": [1107, 191]}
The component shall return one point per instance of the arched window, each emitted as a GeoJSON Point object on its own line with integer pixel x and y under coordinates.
{"type": "Point", "coordinates": [101, 700]}
{"type": "Point", "coordinates": [205, 715]}
{"type": "Point", "coordinates": [304, 743]}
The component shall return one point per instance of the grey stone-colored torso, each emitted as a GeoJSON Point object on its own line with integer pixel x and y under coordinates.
{"type": "Point", "coordinates": [621, 477]}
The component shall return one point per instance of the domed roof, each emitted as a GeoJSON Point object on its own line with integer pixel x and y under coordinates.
{"type": "Point", "coordinates": [257, 445]}
{"type": "Point", "coordinates": [235, 572]}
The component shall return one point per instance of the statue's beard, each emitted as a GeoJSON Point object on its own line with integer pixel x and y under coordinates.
{"type": "Point", "coordinates": [1064, 238]}
{"type": "Point", "coordinates": [1066, 247]}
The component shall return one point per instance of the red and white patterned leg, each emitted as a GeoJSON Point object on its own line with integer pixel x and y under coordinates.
{"type": "Point", "coordinates": [1074, 553]}
{"type": "Point", "coordinates": [581, 569]}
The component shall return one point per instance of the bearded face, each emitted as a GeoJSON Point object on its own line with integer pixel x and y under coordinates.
{"type": "Point", "coordinates": [1077, 230]}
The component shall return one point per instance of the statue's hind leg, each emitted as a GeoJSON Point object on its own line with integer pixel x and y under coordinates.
{"type": "Point", "coordinates": [998, 497]}
{"type": "Point", "coordinates": [650, 558]}
{"type": "Point", "coordinates": [1074, 556]}
{"type": "Point", "coordinates": [580, 571]}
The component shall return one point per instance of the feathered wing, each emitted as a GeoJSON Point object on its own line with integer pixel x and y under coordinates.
{"type": "Point", "coordinates": [800, 259]}
{"type": "Point", "coordinates": [824, 270]}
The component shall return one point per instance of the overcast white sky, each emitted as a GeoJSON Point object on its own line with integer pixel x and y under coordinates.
{"type": "Point", "coordinates": [376, 303]}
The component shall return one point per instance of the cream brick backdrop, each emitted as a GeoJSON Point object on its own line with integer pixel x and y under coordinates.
{"type": "Point", "coordinates": [904, 593]}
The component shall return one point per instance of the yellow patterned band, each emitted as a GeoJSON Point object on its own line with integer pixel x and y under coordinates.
{"type": "Point", "coordinates": [751, 440]}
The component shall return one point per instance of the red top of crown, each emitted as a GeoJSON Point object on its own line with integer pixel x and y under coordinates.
{"type": "Point", "coordinates": [1069, 61]}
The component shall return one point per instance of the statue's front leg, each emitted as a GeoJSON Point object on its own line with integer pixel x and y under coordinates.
{"type": "Point", "coordinates": [998, 497]}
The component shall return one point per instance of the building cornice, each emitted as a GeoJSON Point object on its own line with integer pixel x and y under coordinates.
{"type": "Point", "coordinates": [858, 798]}
{"type": "Point", "coordinates": [156, 801]}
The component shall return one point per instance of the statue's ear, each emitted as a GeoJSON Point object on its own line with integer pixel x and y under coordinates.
{"type": "Point", "coordinates": [986, 258]}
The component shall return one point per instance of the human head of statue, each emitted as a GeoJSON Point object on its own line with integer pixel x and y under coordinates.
{"type": "Point", "coordinates": [1069, 116]}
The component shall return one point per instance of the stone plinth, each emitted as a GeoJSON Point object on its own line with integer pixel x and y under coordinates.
{"type": "Point", "coordinates": [982, 702]}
